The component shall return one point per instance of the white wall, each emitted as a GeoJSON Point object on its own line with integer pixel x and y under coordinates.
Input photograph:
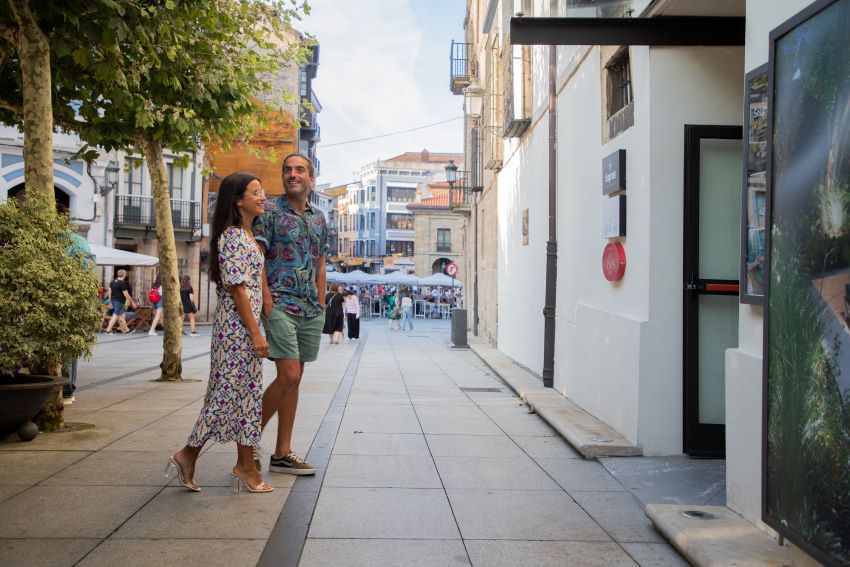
{"type": "Point", "coordinates": [619, 345]}
{"type": "Point", "coordinates": [744, 364]}
{"type": "Point", "coordinates": [523, 183]}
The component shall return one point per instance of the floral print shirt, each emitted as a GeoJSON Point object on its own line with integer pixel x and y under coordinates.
{"type": "Point", "coordinates": [294, 244]}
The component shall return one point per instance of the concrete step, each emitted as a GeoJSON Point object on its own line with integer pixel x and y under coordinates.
{"type": "Point", "coordinates": [588, 435]}
{"type": "Point", "coordinates": [724, 539]}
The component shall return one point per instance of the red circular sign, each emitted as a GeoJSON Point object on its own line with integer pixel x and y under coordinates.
{"type": "Point", "coordinates": [451, 269]}
{"type": "Point", "coordinates": [614, 262]}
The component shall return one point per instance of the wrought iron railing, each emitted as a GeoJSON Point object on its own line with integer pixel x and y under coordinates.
{"type": "Point", "coordinates": [137, 210]}
{"type": "Point", "coordinates": [459, 67]}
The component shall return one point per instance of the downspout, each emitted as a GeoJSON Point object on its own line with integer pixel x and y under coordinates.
{"type": "Point", "coordinates": [476, 182]}
{"type": "Point", "coordinates": [552, 243]}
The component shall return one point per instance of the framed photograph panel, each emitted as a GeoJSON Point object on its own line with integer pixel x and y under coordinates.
{"type": "Point", "coordinates": [754, 195]}
{"type": "Point", "coordinates": [806, 398]}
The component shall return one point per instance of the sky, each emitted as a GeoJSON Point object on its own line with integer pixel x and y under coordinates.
{"type": "Point", "coordinates": [384, 68]}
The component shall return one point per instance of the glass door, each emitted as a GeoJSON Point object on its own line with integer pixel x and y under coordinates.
{"type": "Point", "coordinates": [713, 161]}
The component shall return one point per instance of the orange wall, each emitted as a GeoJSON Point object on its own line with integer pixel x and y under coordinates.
{"type": "Point", "coordinates": [279, 135]}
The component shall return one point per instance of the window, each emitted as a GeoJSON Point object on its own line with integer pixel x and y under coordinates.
{"type": "Point", "coordinates": [175, 180]}
{"type": "Point", "coordinates": [399, 221]}
{"type": "Point", "coordinates": [400, 194]}
{"type": "Point", "coordinates": [618, 105]}
{"type": "Point", "coordinates": [444, 240]}
{"type": "Point", "coordinates": [134, 176]}
{"type": "Point", "coordinates": [373, 194]}
{"type": "Point", "coordinates": [374, 219]}
{"type": "Point", "coordinates": [400, 247]}
{"type": "Point", "coordinates": [371, 248]}
{"type": "Point", "coordinates": [303, 80]}
{"type": "Point", "coordinates": [619, 84]}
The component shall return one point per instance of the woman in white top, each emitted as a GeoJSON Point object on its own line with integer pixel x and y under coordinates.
{"type": "Point", "coordinates": [351, 306]}
{"type": "Point", "coordinates": [406, 310]}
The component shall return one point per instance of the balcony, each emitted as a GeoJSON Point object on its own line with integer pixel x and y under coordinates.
{"type": "Point", "coordinates": [460, 193]}
{"type": "Point", "coordinates": [460, 67]}
{"type": "Point", "coordinates": [443, 247]}
{"type": "Point", "coordinates": [138, 211]}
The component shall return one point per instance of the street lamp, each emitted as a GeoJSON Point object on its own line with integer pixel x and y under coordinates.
{"type": "Point", "coordinates": [110, 177]}
{"type": "Point", "coordinates": [473, 101]}
{"type": "Point", "coordinates": [451, 173]}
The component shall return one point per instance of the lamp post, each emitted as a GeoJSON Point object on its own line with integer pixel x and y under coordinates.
{"type": "Point", "coordinates": [110, 181]}
{"type": "Point", "coordinates": [451, 173]}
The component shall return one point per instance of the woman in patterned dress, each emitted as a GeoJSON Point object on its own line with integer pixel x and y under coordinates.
{"type": "Point", "coordinates": [233, 403]}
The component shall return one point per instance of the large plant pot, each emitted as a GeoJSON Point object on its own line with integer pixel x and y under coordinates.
{"type": "Point", "coordinates": [21, 396]}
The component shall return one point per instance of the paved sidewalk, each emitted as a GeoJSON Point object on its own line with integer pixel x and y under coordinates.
{"type": "Point", "coordinates": [431, 461]}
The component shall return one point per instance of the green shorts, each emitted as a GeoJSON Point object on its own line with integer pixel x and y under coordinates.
{"type": "Point", "coordinates": [293, 337]}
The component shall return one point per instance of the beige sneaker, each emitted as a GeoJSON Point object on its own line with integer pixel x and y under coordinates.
{"type": "Point", "coordinates": [290, 464]}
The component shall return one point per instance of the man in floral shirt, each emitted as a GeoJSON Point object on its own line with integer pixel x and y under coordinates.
{"type": "Point", "coordinates": [295, 239]}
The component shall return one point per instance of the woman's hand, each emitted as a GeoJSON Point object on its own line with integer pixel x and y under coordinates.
{"type": "Point", "coordinates": [260, 345]}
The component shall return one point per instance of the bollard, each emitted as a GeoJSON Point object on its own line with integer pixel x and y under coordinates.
{"type": "Point", "coordinates": [459, 328]}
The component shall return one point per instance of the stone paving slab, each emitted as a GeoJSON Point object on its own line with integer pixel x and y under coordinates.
{"type": "Point", "coordinates": [590, 436]}
{"type": "Point", "coordinates": [372, 552]}
{"type": "Point", "coordinates": [52, 552]}
{"type": "Point", "coordinates": [182, 552]}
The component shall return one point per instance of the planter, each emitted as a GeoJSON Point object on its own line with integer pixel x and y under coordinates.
{"type": "Point", "coordinates": [22, 396]}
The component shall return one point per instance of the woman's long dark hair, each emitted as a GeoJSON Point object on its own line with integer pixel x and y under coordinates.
{"type": "Point", "coordinates": [226, 215]}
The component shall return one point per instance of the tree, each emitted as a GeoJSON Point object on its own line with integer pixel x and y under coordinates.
{"type": "Point", "coordinates": [166, 74]}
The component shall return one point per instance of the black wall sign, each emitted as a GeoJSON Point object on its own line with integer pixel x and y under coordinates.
{"type": "Point", "coordinates": [614, 172]}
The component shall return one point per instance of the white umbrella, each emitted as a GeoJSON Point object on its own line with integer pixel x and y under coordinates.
{"type": "Point", "coordinates": [440, 280]}
{"type": "Point", "coordinates": [399, 278]}
{"type": "Point", "coordinates": [105, 256]}
{"type": "Point", "coordinates": [357, 276]}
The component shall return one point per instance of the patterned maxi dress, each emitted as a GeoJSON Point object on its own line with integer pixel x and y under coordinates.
{"type": "Point", "coordinates": [233, 403]}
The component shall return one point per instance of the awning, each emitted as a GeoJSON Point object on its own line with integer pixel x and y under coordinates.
{"type": "Point", "coordinates": [106, 256]}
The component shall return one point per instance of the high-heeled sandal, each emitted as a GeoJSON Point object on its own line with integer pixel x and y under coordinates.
{"type": "Point", "coordinates": [173, 466]}
{"type": "Point", "coordinates": [238, 483]}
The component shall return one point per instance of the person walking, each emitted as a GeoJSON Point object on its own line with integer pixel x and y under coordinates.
{"type": "Point", "coordinates": [334, 315]}
{"type": "Point", "coordinates": [352, 314]}
{"type": "Point", "coordinates": [232, 404]}
{"type": "Point", "coordinates": [393, 311]}
{"type": "Point", "coordinates": [406, 310]}
{"type": "Point", "coordinates": [295, 239]}
{"type": "Point", "coordinates": [119, 296]}
{"type": "Point", "coordinates": [157, 301]}
{"type": "Point", "coordinates": [187, 297]}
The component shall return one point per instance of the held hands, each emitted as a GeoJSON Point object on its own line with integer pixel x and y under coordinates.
{"type": "Point", "coordinates": [260, 345]}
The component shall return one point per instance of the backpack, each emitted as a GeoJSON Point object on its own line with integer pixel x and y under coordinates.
{"type": "Point", "coordinates": [154, 295]}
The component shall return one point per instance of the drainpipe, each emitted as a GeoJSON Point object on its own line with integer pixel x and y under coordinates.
{"type": "Point", "coordinates": [475, 183]}
{"type": "Point", "coordinates": [552, 243]}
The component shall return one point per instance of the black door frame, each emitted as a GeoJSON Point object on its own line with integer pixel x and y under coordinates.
{"type": "Point", "coordinates": [699, 439]}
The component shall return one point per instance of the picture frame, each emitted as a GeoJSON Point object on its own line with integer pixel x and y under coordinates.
{"type": "Point", "coordinates": [806, 375]}
{"type": "Point", "coordinates": [754, 187]}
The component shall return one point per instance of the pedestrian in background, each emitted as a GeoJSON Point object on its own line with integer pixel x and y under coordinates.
{"type": "Point", "coordinates": [393, 311]}
{"type": "Point", "coordinates": [157, 301]}
{"type": "Point", "coordinates": [233, 402]}
{"type": "Point", "coordinates": [187, 296]}
{"type": "Point", "coordinates": [334, 315]}
{"type": "Point", "coordinates": [352, 314]}
{"type": "Point", "coordinates": [406, 310]}
{"type": "Point", "coordinates": [119, 296]}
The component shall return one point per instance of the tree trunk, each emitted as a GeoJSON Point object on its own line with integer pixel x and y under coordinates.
{"type": "Point", "coordinates": [172, 344]}
{"type": "Point", "coordinates": [34, 53]}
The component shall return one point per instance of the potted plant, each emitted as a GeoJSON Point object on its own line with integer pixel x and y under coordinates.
{"type": "Point", "coordinates": [49, 313]}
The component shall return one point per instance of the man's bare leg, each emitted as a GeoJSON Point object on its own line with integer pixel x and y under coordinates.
{"type": "Point", "coordinates": [281, 397]}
